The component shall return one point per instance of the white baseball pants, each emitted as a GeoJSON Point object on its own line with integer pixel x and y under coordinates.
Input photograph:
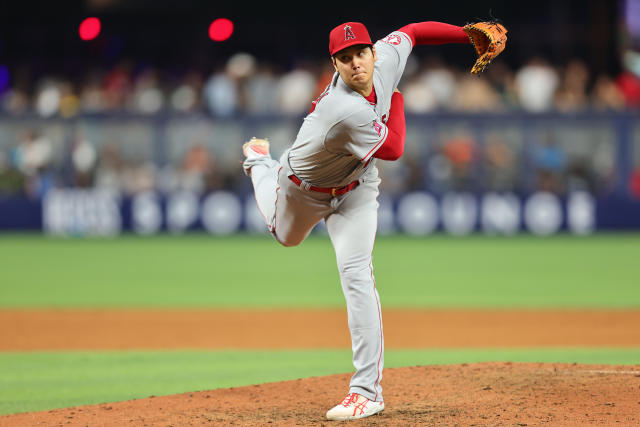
{"type": "Point", "coordinates": [291, 212]}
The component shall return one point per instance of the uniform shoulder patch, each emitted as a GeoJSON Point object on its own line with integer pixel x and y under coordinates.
{"type": "Point", "coordinates": [393, 39]}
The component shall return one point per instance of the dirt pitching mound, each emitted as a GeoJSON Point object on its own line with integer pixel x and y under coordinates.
{"type": "Point", "coordinates": [509, 394]}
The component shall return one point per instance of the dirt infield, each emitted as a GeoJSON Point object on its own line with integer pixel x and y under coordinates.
{"type": "Point", "coordinates": [270, 329]}
{"type": "Point", "coordinates": [484, 394]}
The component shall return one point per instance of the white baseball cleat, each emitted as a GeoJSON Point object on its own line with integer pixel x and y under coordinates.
{"type": "Point", "coordinates": [353, 407]}
{"type": "Point", "coordinates": [255, 147]}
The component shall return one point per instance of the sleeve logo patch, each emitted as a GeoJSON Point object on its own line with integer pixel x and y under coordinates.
{"type": "Point", "coordinates": [392, 39]}
{"type": "Point", "coordinates": [378, 127]}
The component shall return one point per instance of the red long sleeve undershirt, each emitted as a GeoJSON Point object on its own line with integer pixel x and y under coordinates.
{"type": "Point", "coordinates": [432, 32]}
{"type": "Point", "coordinates": [421, 33]}
{"type": "Point", "coordinates": [393, 147]}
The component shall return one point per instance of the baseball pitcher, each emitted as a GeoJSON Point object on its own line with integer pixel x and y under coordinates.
{"type": "Point", "coordinates": [330, 173]}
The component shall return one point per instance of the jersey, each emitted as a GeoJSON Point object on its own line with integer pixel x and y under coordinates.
{"type": "Point", "coordinates": [338, 138]}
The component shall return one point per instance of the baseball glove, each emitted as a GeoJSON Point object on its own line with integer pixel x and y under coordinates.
{"type": "Point", "coordinates": [489, 39]}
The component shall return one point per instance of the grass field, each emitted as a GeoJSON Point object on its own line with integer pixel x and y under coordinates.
{"type": "Point", "coordinates": [245, 271]}
{"type": "Point", "coordinates": [599, 272]}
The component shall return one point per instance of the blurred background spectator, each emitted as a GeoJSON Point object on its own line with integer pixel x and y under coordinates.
{"type": "Point", "coordinates": [549, 161]}
{"type": "Point", "coordinates": [536, 84]}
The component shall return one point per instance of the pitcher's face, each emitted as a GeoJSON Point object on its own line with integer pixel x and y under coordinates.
{"type": "Point", "coordinates": [355, 65]}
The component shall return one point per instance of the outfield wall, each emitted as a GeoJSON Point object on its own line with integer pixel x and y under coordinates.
{"type": "Point", "coordinates": [95, 212]}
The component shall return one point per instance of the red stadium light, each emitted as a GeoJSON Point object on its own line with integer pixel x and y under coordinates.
{"type": "Point", "coordinates": [220, 29]}
{"type": "Point", "coordinates": [89, 29]}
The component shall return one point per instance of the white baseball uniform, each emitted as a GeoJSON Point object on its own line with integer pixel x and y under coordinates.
{"type": "Point", "coordinates": [335, 147]}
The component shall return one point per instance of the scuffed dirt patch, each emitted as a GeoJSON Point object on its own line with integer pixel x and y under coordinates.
{"type": "Point", "coordinates": [483, 394]}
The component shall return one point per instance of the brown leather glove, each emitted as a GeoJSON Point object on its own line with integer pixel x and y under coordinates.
{"type": "Point", "coordinates": [489, 39]}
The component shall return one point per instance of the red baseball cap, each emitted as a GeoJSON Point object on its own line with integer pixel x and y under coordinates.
{"type": "Point", "coordinates": [346, 35]}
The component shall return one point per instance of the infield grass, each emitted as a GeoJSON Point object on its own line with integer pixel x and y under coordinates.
{"type": "Point", "coordinates": [47, 380]}
{"type": "Point", "coordinates": [254, 271]}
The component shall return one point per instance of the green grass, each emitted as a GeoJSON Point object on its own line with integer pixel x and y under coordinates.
{"type": "Point", "coordinates": [46, 380]}
{"type": "Point", "coordinates": [248, 271]}
{"type": "Point", "coordinates": [600, 271]}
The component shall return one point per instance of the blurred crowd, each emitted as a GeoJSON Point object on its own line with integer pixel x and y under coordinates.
{"type": "Point", "coordinates": [244, 85]}
{"type": "Point", "coordinates": [32, 163]}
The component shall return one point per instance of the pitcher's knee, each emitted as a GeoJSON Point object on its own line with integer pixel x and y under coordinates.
{"type": "Point", "coordinates": [357, 281]}
{"type": "Point", "coordinates": [287, 241]}
{"type": "Point", "coordinates": [289, 244]}
{"type": "Point", "coordinates": [355, 269]}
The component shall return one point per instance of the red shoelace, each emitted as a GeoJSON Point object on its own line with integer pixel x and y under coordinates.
{"type": "Point", "coordinates": [353, 398]}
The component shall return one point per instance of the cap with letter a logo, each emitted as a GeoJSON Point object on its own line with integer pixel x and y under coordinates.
{"type": "Point", "coordinates": [348, 34]}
